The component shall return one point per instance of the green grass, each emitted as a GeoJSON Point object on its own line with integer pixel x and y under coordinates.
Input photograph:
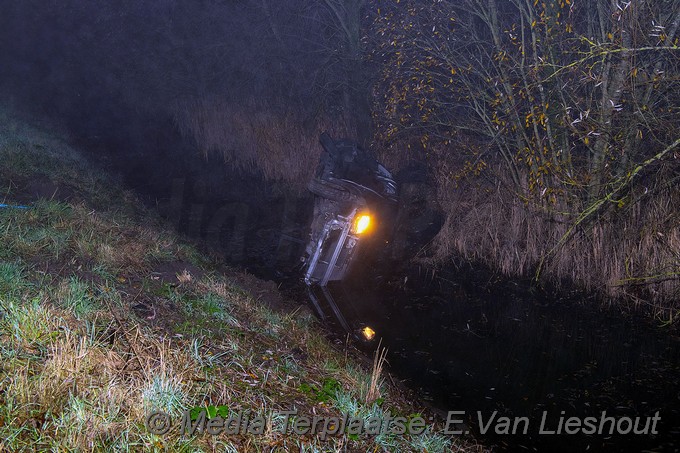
{"type": "Point", "coordinates": [77, 297]}
{"type": "Point", "coordinates": [11, 278]}
{"type": "Point", "coordinates": [26, 325]}
{"type": "Point", "coordinates": [430, 442]}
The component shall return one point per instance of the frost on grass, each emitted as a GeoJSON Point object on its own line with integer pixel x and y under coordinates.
{"type": "Point", "coordinates": [165, 393]}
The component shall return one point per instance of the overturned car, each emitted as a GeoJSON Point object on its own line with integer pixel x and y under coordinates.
{"type": "Point", "coordinates": [354, 205]}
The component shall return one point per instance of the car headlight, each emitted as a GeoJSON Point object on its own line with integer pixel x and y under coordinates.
{"type": "Point", "coordinates": [361, 223]}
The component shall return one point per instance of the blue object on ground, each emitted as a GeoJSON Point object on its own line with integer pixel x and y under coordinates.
{"type": "Point", "coordinates": [12, 206]}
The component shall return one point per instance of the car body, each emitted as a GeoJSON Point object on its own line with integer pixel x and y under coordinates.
{"type": "Point", "coordinates": [354, 195]}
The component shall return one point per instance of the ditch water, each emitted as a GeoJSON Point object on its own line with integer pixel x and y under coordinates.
{"type": "Point", "coordinates": [486, 349]}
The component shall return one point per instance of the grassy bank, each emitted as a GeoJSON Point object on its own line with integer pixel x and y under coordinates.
{"type": "Point", "coordinates": [106, 317]}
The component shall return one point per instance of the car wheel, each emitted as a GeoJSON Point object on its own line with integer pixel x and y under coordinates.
{"type": "Point", "coordinates": [330, 190]}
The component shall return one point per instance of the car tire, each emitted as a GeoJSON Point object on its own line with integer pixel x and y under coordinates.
{"type": "Point", "coordinates": [331, 190]}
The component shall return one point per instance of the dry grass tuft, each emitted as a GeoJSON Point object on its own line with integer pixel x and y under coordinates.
{"type": "Point", "coordinates": [184, 276]}
{"type": "Point", "coordinates": [376, 381]}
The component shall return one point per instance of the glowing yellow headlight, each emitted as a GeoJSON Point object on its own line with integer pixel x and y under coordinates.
{"type": "Point", "coordinates": [368, 333]}
{"type": "Point", "coordinates": [362, 223]}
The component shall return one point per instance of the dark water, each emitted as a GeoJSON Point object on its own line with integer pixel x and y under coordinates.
{"type": "Point", "coordinates": [496, 348]}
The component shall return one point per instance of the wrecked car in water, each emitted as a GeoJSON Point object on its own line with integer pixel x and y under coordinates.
{"type": "Point", "coordinates": [354, 204]}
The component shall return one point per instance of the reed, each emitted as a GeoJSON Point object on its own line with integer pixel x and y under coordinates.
{"type": "Point", "coordinates": [627, 253]}
{"type": "Point", "coordinates": [282, 144]}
